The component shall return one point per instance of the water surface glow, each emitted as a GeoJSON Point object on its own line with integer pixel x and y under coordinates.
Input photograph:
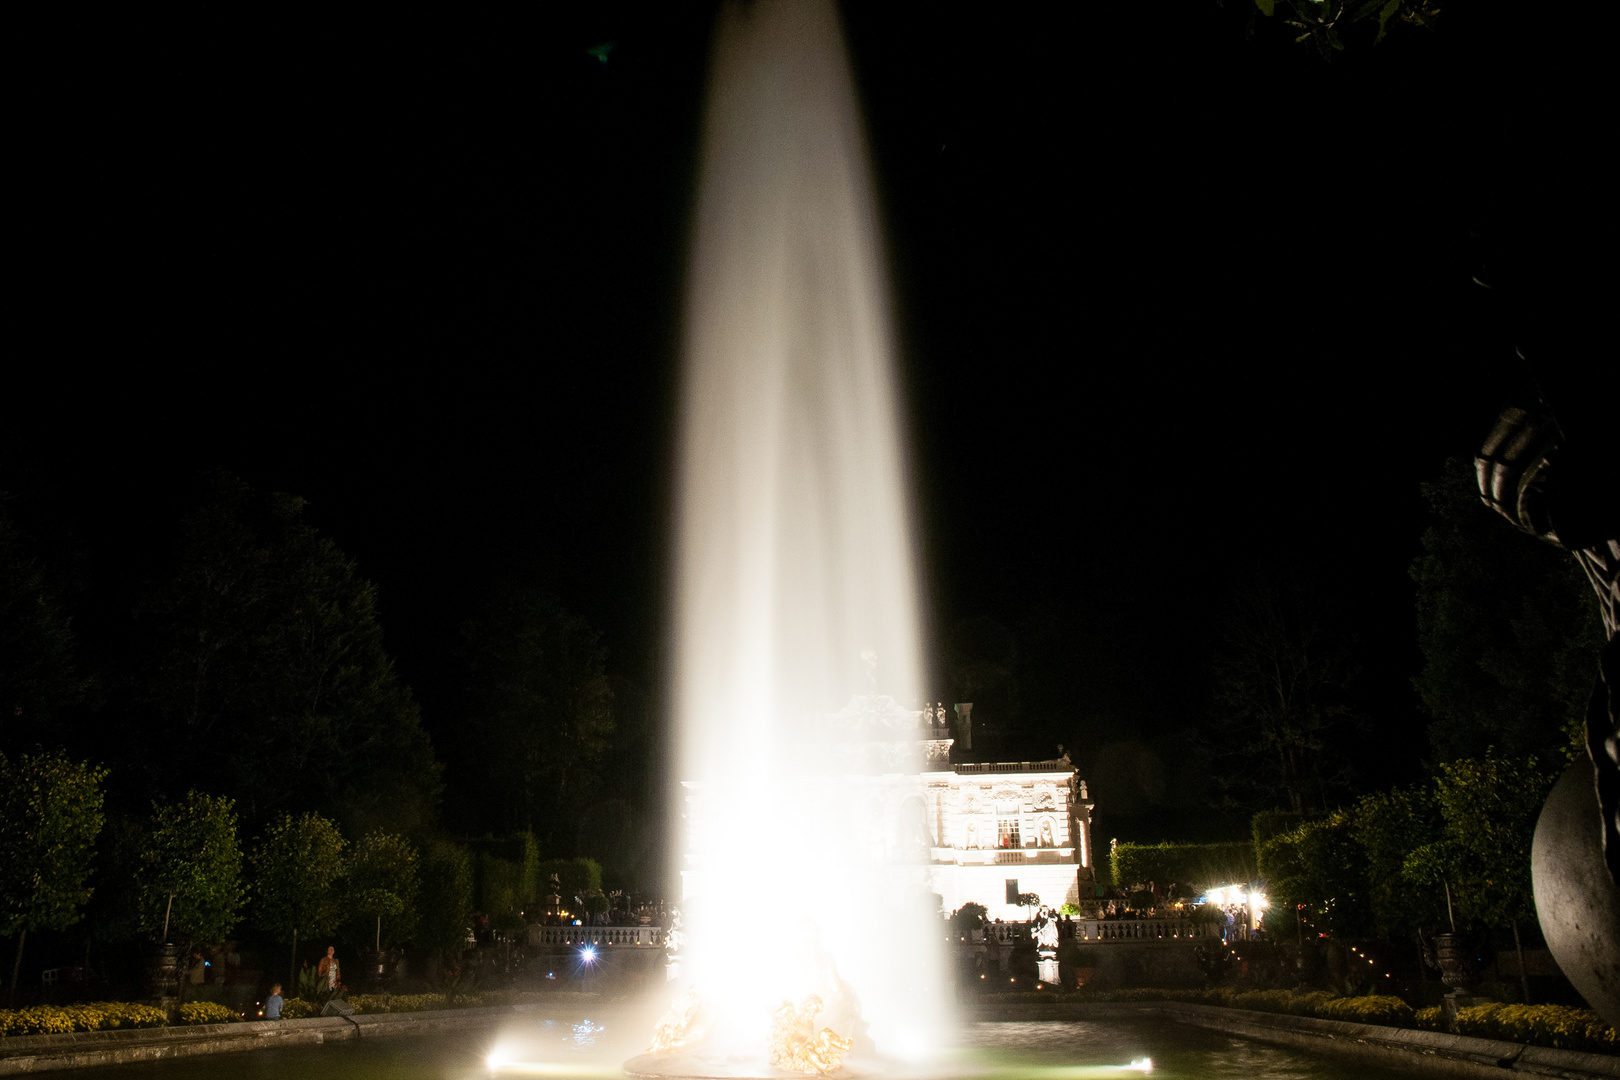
{"type": "Point", "coordinates": [545, 1046]}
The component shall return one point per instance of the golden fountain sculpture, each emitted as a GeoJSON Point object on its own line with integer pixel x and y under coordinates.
{"type": "Point", "coordinates": [797, 1046]}
{"type": "Point", "coordinates": [676, 1029]}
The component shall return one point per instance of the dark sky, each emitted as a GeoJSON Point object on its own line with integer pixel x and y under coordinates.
{"type": "Point", "coordinates": [1173, 302]}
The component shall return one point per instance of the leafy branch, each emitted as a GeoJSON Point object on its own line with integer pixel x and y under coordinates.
{"type": "Point", "coordinates": [1323, 23]}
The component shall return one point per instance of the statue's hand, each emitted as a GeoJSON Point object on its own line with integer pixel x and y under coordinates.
{"type": "Point", "coordinates": [1510, 469]}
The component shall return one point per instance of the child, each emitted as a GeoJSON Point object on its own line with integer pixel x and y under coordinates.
{"type": "Point", "coordinates": [272, 1004]}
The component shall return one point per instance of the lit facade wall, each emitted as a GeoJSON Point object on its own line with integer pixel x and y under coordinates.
{"type": "Point", "coordinates": [1007, 828]}
{"type": "Point", "coordinates": [981, 833]}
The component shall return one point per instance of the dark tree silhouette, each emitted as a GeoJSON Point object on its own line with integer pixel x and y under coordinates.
{"type": "Point", "coordinates": [266, 678]}
{"type": "Point", "coordinates": [1509, 629]}
{"type": "Point", "coordinates": [1282, 674]}
{"type": "Point", "coordinates": [541, 720]}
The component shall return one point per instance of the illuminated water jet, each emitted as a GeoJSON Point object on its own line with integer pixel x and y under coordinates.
{"type": "Point", "coordinates": [796, 629]}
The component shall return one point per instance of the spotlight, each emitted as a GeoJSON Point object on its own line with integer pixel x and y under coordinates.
{"type": "Point", "coordinates": [588, 954]}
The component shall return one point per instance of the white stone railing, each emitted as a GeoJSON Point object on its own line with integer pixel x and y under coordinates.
{"type": "Point", "coordinates": [1104, 930]}
{"type": "Point", "coordinates": [646, 937]}
{"type": "Point", "coordinates": [1054, 765]}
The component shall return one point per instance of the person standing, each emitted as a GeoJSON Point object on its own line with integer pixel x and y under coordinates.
{"type": "Point", "coordinates": [273, 1003]}
{"type": "Point", "coordinates": [329, 967]}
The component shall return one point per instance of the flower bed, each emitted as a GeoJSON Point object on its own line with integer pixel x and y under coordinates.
{"type": "Point", "coordinates": [1373, 1009]}
{"type": "Point", "coordinates": [208, 1012]}
{"type": "Point", "coordinates": [89, 1016]}
{"type": "Point", "coordinates": [1556, 1026]}
{"type": "Point", "coordinates": [108, 1015]}
{"type": "Point", "coordinates": [299, 1009]}
{"type": "Point", "coordinates": [399, 1003]}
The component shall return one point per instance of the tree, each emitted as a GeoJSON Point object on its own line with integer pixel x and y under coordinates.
{"type": "Point", "coordinates": [576, 878]}
{"type": "Point", "coordinates": [297, 865]}
{"type": "Point", "coordinates": [1326, 23]}
{"type": "Point", "coordinates": [509, 878]}
{"type": "Point", "coordinates": [1318, 871]}
{"type": "Point", "coordinates": [266, 663]}
{"type": "Point", "coordinates": [37, 674]}
{"type": "Point", "coordinates": [50, 816]}
{"type": "Point", "coordinates": [1508, 627]}
{"type": "Point", "coordinates": [543, 715]}
{"type": "Point", "coordinates": [380, 889]}
{"type": "Point", "coordinates": [1389, 826]}
{"type": "Point", "coordinates": [445, 896]}
{"type": "Point", "coordinates": [189, 874]}
{"type": "Point", "coordinates": [1282, 679]}
{"type": "Point", "coordinates": [970, 916]}
{"type": "Point", "coordinates": [1489, 808]}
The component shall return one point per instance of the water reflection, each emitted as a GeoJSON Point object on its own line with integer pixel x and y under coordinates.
{"type": "Point", "coordinates": [595, 1047]}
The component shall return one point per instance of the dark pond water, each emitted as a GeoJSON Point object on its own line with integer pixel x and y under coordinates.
{"type": "Point", "coordinates": [588, 1049]}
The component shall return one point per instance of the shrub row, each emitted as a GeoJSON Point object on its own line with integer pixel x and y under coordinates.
{"type": "Point", "coordinates": [208, 1012]}
{"type": "Point", "coordinates": [107, 1015]}
{"type": "Point", "coordinates": [1557, 1026]}
{"type": "Point", "coordinates": [1373, 1009]}
{"type": "Point", "coordinates": [299, 1009]}
{"type": "Point", "coordinates": [1541, 1025]}
{"type": "Point", "coordinates": [89, 1016]}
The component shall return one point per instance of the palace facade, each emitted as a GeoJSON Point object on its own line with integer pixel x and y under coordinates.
{"type": "Point", "coordinates": [991, 833]}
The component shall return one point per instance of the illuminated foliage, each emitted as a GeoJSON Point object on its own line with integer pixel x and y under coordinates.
{"type": "Point", "coordinates": [382, 882]}
{"type": "Point", "coordinates": [1489, 807]}
{"type": "Point", "coordinates": [296, 869]}
{"type": "Point", "coordinates": [1195, 865]}
{"type": "Point", "coordinates": [1327, 23]}
{"type": "Point", "coordinates": [1389, 826]}
{"type": "Point", "coordinates": [189, 875]}
{"type": "Point", "coordinates": [1317, 872]}
{"type": "Point", "coordinates": [50, 816]}
{"type": "Point", "coordinates": [445, 904]}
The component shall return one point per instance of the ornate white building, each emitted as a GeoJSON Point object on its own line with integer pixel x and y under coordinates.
{"type": "Point", "coordinates": [1003, 829]}
{"type": "Point", "coordinates": [988, 833]}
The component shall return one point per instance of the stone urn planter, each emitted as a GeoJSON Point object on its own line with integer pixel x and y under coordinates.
{"type": "Point", "coordinates": [163, 971]}
{"type": "Point", "coordinates": [1453, 954]}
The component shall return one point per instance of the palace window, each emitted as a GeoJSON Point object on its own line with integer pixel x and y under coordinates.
{"type": "Point", "coordinates": [1007, 833]}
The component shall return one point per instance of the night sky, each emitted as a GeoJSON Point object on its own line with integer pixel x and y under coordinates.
{"type": "Point", "coordinates": [1173, 303]}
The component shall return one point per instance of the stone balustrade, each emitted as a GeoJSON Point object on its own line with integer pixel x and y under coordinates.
{"type": "Point", "coordinates": [645, 937]}
{"type": "Point", "coordinates": [985, 767]}
{"type": "Point", "coordinates": [1105, 930]}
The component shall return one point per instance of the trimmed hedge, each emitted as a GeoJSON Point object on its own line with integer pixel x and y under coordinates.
{"type": "Point", "coordinates": [89, 1016]}
{"type": "Point", "coordinates": [1197, 865]}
